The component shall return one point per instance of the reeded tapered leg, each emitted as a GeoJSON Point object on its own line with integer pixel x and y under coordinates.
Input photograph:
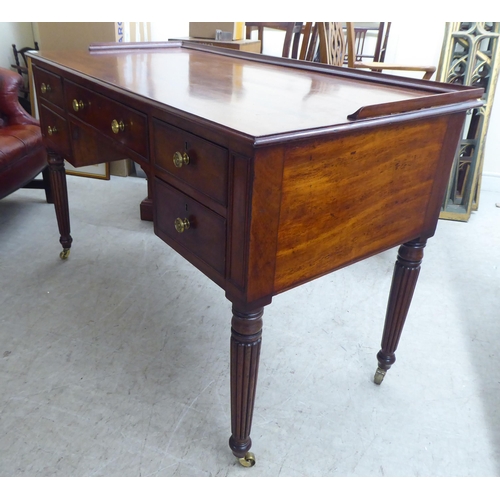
{"type": "Point", "coordinates": [406, 271]}
{"type": "Point", "coordinates": [246, 336]}
{"type": "Point", "coordinates": [60, 196]}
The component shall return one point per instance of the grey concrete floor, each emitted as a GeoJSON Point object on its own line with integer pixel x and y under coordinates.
{"type": "Point", "coordinates": [116, 361]}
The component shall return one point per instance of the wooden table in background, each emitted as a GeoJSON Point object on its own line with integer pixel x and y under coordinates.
{"type": "Point", "coordinates": [243, 45]}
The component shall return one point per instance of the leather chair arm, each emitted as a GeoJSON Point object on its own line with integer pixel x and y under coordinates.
{"type": "Point", "coordinates": [10, 108]}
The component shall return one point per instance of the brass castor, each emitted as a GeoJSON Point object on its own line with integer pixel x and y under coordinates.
{"type": "Point", "coordinates": [379, 376]}
{"type": "Point", "coordinates": [65, 253]}
{"type": "Point", "coordinates": [248, 460]}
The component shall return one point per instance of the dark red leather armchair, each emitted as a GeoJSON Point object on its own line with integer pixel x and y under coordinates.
{"type": "Point", "coordinates": [22, 155]}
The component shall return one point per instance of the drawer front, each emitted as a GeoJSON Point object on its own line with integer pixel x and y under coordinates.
{"type": "Point", "coordinates": [206, 235]}
{"type": "Point", "coordinates": [113, 119]}
{"type": "Point", "coordinates": [49, 86]}
{"type": "Point", "coordinates": [204, 164]}
{"type": "Point", "coordinates": [54, 131]}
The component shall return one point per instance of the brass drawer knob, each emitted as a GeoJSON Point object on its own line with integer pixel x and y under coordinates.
{"type": "Point", "coordinates": [78, 105]}
{"type": "Point", "coordinates": [51, 130]}
{"type": "Point", "coordinates": [45, 88]}
{"type": "Point", "coordinates": [181, 225]}
{"type": "Point", "coordinates": [117, 126]}
{"type": "Point", "coordinates": [180, 159]}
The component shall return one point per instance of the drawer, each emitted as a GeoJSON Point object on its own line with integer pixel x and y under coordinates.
{"type": "Point", "coordinates": [113, 119]}
{"type": "Point", "coordinates": [206, 235]}
{"type": "Point", "coordinates": [204, 165]}
{"type": "Point", "coordinates": [54, 130]}
{"type": "Point", "coordinates": [49, 86]}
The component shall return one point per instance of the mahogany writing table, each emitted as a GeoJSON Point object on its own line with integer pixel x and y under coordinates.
{"type": "Point", "coordinates": [263, 172]}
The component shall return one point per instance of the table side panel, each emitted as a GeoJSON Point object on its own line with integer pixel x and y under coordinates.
{"type": "Point", "coordinates": [347, 199]}
{"type": "Point", "coordinates": [238, 219]}
{"type": "Point", "coordinates": [264, 202]}
{"type": "Point", "coordinates": [448, 152]}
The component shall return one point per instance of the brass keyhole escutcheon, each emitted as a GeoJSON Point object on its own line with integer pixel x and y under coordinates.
{"type": "Point", "coordinates": [45, 88]}
{"type": "Point", "coordinates": [180, 159]}
{"type": "Point", "coordinates": [117, 126]}
{"type": "Point", "coordinates": [78, 105]}
{"type": "Point", "coordinates": [51, 130]}
{"type": "Point", "coordinates": [181, 225]}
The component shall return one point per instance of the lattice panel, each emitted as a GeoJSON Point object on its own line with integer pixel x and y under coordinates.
{"type": "Point", "coordinates": [470, 56]}
{"type": "Point", "coordinates": [336, 36]}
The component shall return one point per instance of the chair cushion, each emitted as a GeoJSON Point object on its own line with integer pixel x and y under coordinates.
{"type": "Point", "coordinates": [22, 156]}
{"type": "Point", "coordinates": [18, 141]}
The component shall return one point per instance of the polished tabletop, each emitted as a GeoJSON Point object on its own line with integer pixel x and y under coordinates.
{"type": "Point", "coordinates": [248, 96]}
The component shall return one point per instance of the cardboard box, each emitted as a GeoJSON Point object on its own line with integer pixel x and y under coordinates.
{"type": "Point", "coordinates": [207, 30]}
{"type": "Point", "coordinates": [121, 168]}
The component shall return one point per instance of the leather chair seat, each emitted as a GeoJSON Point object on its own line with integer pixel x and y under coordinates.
{"type": "Point", "coordinates": [18, 142]}
{"type": "Point", "coordinates": [22, 155]}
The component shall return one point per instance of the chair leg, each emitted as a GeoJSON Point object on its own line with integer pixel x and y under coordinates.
{"type": "Point", "coordinates": [42, 184]}
{"type": "Point", "coordinates": [46, 185]}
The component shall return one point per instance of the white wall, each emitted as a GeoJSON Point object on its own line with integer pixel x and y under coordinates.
{"type": "Point", "coordinates": [19, 33]}
{"type": "Point", "coordinates": [491, 165]}
{"type": "Point", "coordinates": [405, 48]}
{"type": "Point", "coordinates": [169, 28]}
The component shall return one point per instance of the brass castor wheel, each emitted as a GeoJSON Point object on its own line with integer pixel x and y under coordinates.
{"type": "Point", "coordinates": [379, 376]}
{"type": "Point", "coordinates": [248, 460]}
{"type": "Point", "coordinates": [65, 253]}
